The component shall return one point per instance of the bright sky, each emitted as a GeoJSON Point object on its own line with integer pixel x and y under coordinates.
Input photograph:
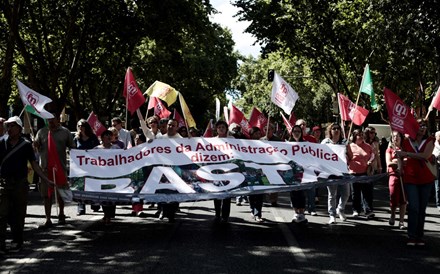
{"type": "Point", "coordinates": [243, 41]}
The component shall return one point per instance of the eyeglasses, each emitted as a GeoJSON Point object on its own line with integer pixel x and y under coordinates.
{"type": "Point", "coordinates": [336, 128]}
{"type": "Point", "coordinates": [297, 131]}
{"type": "Point", "coordinates": [422, 126]}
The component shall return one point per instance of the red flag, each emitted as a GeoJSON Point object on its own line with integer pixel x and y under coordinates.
{"type": "Point", "coordinates": [96, 125]}
{"type": "Point", "coordinates": [238, 117]}
{"type": "Point", "coordinates": [287, 123]}
{"type": "Point", "coordinates": [135, 98]}
{"type": "Point", "coordinates": [436, 100]}
{"type": "Point", "coordinates": [292, 118]}
{"type": "Point", "coordinates": [401, 119]}
{"type": "Point", "coordinates": [209, 132]}
{"type": "Point", "coordinates": [159, 109]}
{"type": "Point", "coordinates": [258, 119]}
{"type": "Point", "coordinates": [54, 166]}
{"type": "Point", "coordinates": [351, 112]}
{"type": "Point", "coordinates": [179, 119]}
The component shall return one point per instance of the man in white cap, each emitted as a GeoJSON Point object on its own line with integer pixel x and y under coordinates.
{"type": "Point", "coordinates": [15, 153]}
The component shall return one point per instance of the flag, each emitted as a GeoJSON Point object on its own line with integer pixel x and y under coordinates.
{"type": "Point", "coordinates": [367, 86]}
{"type": "Point", "coordinates": [209, 132]}
{"type": "Point", "coordinates": [238, 117]}
{"type": "Point", "coordinates": [292, 118]}
{"type": "Point", "coordinates": [179, 119]}
{"type": "Point", "coordinates": [132, 93]}
{"type": "Point", "coordinates": [163, 91]}
{"type": "Point", "coordinates": [400, 116]}
{"type": "Point", "coordinates": [34, 102]}
{"type": "Point", "coordinates": [287, 123]}
{"type": "Point", "coordinates": [283, 95]}
{"type": "Point", "coordinates": [186, 113]}
{"type": "Point", "coordinates": [351, 112]}
{"type": "Point", "coordinates": [55, 170]}
{"type": "Point", "coordinates": [257, 119]}
{"type": "Point", "coordinates": [96, 125]}
{"type": "Point", "coordinates": [436, 100]}
{"type": "Point", "coordinates": [159, 108]}
{"type": "Point", "coordinates": [217, 109]}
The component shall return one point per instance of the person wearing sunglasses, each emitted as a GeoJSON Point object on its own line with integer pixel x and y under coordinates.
{"type": "Point", "coordinates": [335, 207]}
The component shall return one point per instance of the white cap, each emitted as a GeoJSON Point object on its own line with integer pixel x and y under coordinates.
{"type": "Point", "coordinates": [14, 119]}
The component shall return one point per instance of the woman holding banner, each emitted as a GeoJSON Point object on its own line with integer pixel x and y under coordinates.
{"type": "Point", "coordinates": [334, 137]}
{"type": "Point", "coordinates": [256, 200]}
{"type": "Point", "coordinates": [397, 196]}
{"type": "Point", "coordinates": [85, 139]}
{"type": "Point", "coordinates": [418, 180]}
{"type": "Point", "coordinates": [360, 156]}
{"type": "Point", "coordinates": [297, 197]}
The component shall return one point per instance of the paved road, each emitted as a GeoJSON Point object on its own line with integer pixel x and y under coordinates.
{"type": "Point", "coordinates": [195, 244]}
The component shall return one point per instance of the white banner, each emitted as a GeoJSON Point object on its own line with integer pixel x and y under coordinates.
{"type": "Point", "coordinates": [202, 166]}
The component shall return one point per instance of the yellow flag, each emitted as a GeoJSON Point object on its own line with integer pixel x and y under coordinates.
{"type": "Point", "coordinates": [163, 91]}
{"type": "Point", "coordinates": [186, 113]}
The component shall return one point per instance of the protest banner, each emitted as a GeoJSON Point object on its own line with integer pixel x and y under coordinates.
{"type": "Point", "coordinates": [194, 169]}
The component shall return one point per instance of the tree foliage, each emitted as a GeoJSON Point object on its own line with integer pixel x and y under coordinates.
{"type": "Point", "coordinates": [77, 52]}
{"type": "Point", "coordinates": [336, 38]}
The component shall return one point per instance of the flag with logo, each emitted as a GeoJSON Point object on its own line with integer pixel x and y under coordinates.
{"type": "Point", "coordinates": [257, 119]}
{"type": "Point", "coordinates": [292, 118]}
{"type": "Point", "coordinates": [367, 86]}
{"type": "Point", "coordinates": [163, 91]}
{"type": "Point", "coordinates": [186, 113]}
{"type": "Point", "coordinates": [238, 117]}
{"type": "Point", "coordinates": [55, 170]}
{"type": "Point", "coordinates": [132, 93]}
{"type": "Point", "coordinates": [33, 101]}
{"type": "Point", "coordinates": [399, 114]}
{"type": "Point", "coordinates": [436, 100]}
{"type": "Point", "coordinates": [96, 125]}
{"type": "Point", "coordinates": [350, 112]}
{"type": "Point", "coordinates": [179, 119]}
{"type": "Point", "coordinates": [159, 108]}
{"type": "Point", "coordinates": [283, 95]}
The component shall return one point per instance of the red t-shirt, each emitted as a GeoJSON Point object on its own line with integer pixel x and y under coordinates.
{"type": "Point", "coordinates": [415, 171]}
{"type": "Point", "coordinates": [360, 155]}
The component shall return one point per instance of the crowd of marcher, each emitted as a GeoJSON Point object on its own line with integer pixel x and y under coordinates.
{"type": "Point", "coordinates": [404, 159]}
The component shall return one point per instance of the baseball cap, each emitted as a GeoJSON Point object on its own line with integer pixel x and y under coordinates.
{"type": "Point", "coordinates": [14, 119]}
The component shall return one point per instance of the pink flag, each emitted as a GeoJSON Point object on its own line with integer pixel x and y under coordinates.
{"type": "Point", "coordinates": [209, 132]}
{"type": "Point", "coordinates": [287, 123]}
{"type": "Point", "coordinates": [238, 117]}
{"type": "Point", "coordinates": [399, 114]}
{"type": "Point", "coordinates": [179, 119]}
{"type": "Point", "coordinates": [134, 96]}
{"type": "Point", "coordinates": [96, 125]}
{"type": "Point", "coordinates": [436, 100]}
{"type": "Point", "coordinates": [351, 112]}
{"type": "Point", "coordinates": [258, 119]}
{"type": "Point", "coordinates": [159, 109]}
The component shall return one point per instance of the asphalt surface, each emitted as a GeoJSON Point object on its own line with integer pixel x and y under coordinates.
{"type": "Point", "coordinates": [195, 244]}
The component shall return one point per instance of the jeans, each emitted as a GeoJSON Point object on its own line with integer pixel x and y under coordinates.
{"type": "Point", "coordinates": [222, 208]}
{"type": "Point", "coordinates": [256, 204]}
{"type": "Point", "coordinates": [298, 199]}
{"type": "Point", "coordinates": [311, 194]}
{"type": "Point", "coordinates": [333, 191]}
{"type": "Point", "coordinates": [418, 197]}
{"type": "Point", "coordinates": [362, 197]}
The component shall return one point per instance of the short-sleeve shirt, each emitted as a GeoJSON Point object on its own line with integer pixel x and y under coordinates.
{"type": "Point", "coordinates": [15, 166]}
{"type": "Point", "coordinates": [63, 139]}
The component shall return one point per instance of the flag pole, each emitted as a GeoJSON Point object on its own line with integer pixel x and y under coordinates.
{"type": "Point", "coordinates": [267, 125]}
{"type": "Point", "coordinates": [148, 103]}
{"type": "Point", "coordinates": [357, 101]}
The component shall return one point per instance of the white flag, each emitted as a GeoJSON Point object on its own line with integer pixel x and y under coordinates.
{"type": "Point", "coordinates": [33, 101]}
{"type": "Point", "coordinates": [283, 95]}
